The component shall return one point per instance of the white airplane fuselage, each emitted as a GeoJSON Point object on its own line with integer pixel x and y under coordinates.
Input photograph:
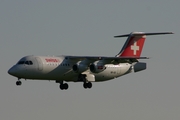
{"type": "Point", "coordinates": [60, 68]}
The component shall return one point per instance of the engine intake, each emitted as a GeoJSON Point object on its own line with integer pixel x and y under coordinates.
{"type": "Point", "coordinates": [79, 67]}
{"type": "Point", "coordinates": [96, 68]}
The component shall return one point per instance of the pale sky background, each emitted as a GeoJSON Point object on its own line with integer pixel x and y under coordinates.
{"type": "Point", "coordinates": [87, 27]}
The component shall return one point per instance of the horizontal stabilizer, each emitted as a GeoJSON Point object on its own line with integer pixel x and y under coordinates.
{"type": "Point", "coordinates": [143, 33]}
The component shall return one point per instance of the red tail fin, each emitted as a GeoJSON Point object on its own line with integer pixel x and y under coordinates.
{"type": "Point", "coordinates": [134, 44]}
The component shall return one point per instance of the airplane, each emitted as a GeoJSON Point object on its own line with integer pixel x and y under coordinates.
{"type": "Point", "coordinates": [85, 69]}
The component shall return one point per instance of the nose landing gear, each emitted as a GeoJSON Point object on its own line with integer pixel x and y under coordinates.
{"type": "Point", "coordinates": [18, 83]}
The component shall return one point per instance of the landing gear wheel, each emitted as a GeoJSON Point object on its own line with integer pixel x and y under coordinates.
{"type": "Point", "coordinates": [87, 85]}
{"type": "Point", "coordinates": [61, 86]}
{"type": "Point", "coordinates": [64, 86]}
{"type": "Point", "coordinates": [18, 83]}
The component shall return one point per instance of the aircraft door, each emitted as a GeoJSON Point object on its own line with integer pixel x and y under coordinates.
{"type": "Point", "coordinates": [40, 64]}
{"type": "Point", "coordinates": [25, 67]}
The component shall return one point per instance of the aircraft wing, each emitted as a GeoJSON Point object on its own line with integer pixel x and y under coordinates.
{"type": "Point", "coordinates": [105, 59]}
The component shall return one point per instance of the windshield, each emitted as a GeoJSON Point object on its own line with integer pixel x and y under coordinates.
{"type": "Point", "coordinates": [25, 62]}
{"type": "Point", "coordinates": [21, 62]}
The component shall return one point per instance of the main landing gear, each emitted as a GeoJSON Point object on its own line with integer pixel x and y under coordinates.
{"type": "Point", "coordinates": [87, 85]}
{"type": "Point", "coordinates": [64, 86]}
{"type": "Point", "coordinates": [18, 83]}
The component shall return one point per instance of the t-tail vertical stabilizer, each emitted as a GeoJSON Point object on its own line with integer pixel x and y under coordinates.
{"type": "Point", "coordinates": [134, 43]}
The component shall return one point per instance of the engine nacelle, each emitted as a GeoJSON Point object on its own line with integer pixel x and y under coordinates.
{"type": "Point", "coordinates": [97, 67]}
{"type": "Point", "coordinates": [79, 67]}
{"type": "Point", "coordinates": [139, 66]}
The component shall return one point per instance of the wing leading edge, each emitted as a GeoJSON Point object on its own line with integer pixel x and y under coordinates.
{"type": "Point", "coordinates": [107, 59]}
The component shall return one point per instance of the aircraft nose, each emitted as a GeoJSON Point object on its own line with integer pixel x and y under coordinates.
{"type": "Point", "coordinates": [12, 71]}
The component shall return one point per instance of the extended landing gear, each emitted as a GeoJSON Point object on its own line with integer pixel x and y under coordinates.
{"type": "Point", "coordinates": [64, 86]}
{"type": "Point", "coordinates": [18, 83]}
{"type": "Point", "coordinates": [87, 85]}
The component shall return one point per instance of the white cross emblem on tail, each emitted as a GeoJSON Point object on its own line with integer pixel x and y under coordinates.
{"type": "Point", "coordinates": [134, 47]}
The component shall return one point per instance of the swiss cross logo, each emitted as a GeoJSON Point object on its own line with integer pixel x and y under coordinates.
{"type": "Point", "coordinates": [134, 47]}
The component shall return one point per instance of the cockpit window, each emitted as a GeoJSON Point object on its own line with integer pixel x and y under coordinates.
{"type": "Point", "coordinates": [21, 62]}
{"type": "Point", "coordinates": [25, 62]}
{"type": "Point", "coordinates": [30, 62]}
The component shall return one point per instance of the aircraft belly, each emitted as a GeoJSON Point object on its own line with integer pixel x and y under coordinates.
{"type": "Point", "coordinates": [61, 74]}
